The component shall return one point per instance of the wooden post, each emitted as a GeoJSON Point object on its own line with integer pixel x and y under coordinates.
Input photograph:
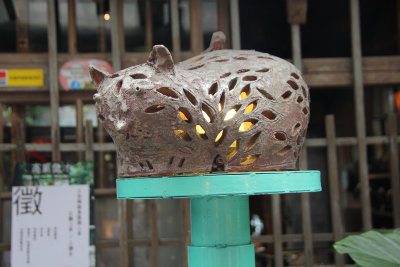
{"type": "Point", "coordinates": [277, 228]}
{"type": "Point", "coordinates": [196, 26]}
{"type": "Point", "coordinates": [155, 257]}
{"type": "Point", "coordinates": [89, 152]}
{"type": "Point", "coordinates": [123, 236]}
{"type": "Point", "coordinates": [18, 114]}
{"type": "Point", "coordinates": [53, 79]}
{"type": "Point", "coordinates": [21, 26]}
{"type": "Point", "coordinates": [102, 183]}
{"type": "Point", "coordinates": [149, 26]}
{"type": "Point", "coordinates": [115, 38]}
{"type": "Point", "coordinates": [1, 178]}
{"type": "Point", "coordinates": [72, 49]}
{"type": "Point", "coordinates": [102, 34]}
{"type": "Point", "coordinates": [235, 24]}
{"type": "Point", "coordinates": [334, 191]}
{"type": "Point", "coordinates": [185, 229]}
{"type": "Point", "coordinates": [79, 126]}
{"type": "Point", "coordinates": [176, 36]}
{"type": "Point", "coordinates": [20, 141]}
{"type": "Point", "coordinates": [360, 115]}
{"type": "Point", "coordinates": [394, 167]}
{"type": "Point", "coordinates": [224, 20]}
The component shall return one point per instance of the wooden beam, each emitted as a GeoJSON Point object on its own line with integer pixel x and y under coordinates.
{"type": "Point", "coordinates": [196, 26]}
{"type": "Point", "coordinates": [89, 153]}
{"type": "Point", "coordinates": [224, 20]}
{"type": "Point", "coordinates": [123, 235]}
{"type": "Point", "coordinates": [149, 26]}
{"type": "Point", "coordinates": [185, 230]}
{"type": "Point", "coordinates": [53, 80]}
{"type": "Point", "coordinates": [102, 182]}
{"type": "Point", "coordinates": [277, 230]}
{"type": "Point", "coordinates": [101, 43]}
{"type": "Point", "coordinates": [394, 167]}
{"type": "Point", "coordinates": [72, 49]}
{"type": "Point", "coordinates": [334, 182]}
{"type": "Point", "coordinates": [176, 36]}
{"type": "Point", "coordinates": [360, 115]}
{"type": "Point", "coordinates": [20, 142]}
{"type": "Point", "coordinates": [21, 25]}
{"type": "Point", "coordinates": [296, 11]}
{"type": "Point", "coordinates": [115, 38]}
{"type": "Point", "coordinates": [155, 257]}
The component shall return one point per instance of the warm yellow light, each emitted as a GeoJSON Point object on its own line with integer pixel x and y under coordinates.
{"type": "Point", "coordinates": [107, 16]}
{"type": "Point", "coordinates": [206, 117]}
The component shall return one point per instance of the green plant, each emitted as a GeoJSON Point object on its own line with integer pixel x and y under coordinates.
{"type": "Point", "coordinates": [373, 248]}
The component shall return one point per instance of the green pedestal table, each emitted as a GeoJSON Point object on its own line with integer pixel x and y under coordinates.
{"type": "Point", "coordinates": [219, 208]}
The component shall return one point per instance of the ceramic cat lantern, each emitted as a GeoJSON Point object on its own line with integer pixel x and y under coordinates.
{"type": "Point", "coordinates": [223, 110]}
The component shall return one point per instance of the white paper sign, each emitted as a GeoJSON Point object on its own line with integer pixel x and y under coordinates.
{"type": "Point", "coordinates": [50, 226]}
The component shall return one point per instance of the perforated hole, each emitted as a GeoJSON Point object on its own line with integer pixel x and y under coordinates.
{"type": "Point", "coordinates": [296, 129]}
{"type": "Point", "coordinates": [265, 94]}
{"type": "Point", "coordinates": [263, 70]}
{"type": "Point", "coordinates": [249, 78]}
{"type": "Point", "coordinates": [245, 92]}
{"type": "Point", "coordinates": [115, 75]}
{"type": "Point", "coordinates": [207, 113]}
{"type": "Point", "coordinates": [220, 137]}
{"type": "Point", "coordinates": [269, 114]}
{"type": "Point", "coordinates": [232, 112]}
{"type": "Point", "coordinates": [180, 165]}
{"type": "Point", "coordinates": [197, 67]}
{"type": "Point", "coordinates": [185, 115]}
{"type": "Point", "coordinates": [183, 135]}
{"type": "Point", "coordinates": [196, 60]}
{"type": "Point", "coordinates": [252, 106]}
{"type": "Point", "coordinates": [286, 95]}
{"type": "Point", "coordinates": [139, 76]}
{"type": "Point", "coordinates": [221, 104]}
{"type": "Point", "coordinates": [305, 111]}
{"type": "Point", "coordinates": [232, 84]}
{"type": "Point", "coordinates": [243, 71]}
{"type": "Point", "coordinates": [190, 97]}
{"type": "Point", "coordinates": [213, 89]}
{"type": "Point", "coordinates": [280, 136]}
{"type": "Point", "coordinates": [221, 60]}
{"type": "Point", "coordinates": [225, 75]}
{"type": "Point", "coordinates": [214, 57]}
{"type": "Point", "coordinates": [299, 99]}
{"type": "Point", "coordinates": [304, 91]}
{"type": "Point", "coordinates": [201, 133]}
{"type": "Point", "coordinates": [171, 160]}
{"type": "Point", "coordinates": [118, 87]}
{"type": "Point", "coordinates": [294, 75]}
{"type": "Point", "coordinates": [284, 150]}
{"type": "Point", "coordinates": [154, 109]}
{"type": "Point", "coordinates": [249, 159]}
{"type": "Point", "coordinates": [149, 165]}
{"type": "Point", "coordinates": [293, 84]}
{"type": "Point", "coordinates": [101, 117]}
{"type": "Point", "coordinates": [167, 92]}
{"type": "Point", "coordinates": [232, 149]}
{"type": "Point", "coordinates": [298, 141]}
{"type": "Point", "coordinates": [141, 165]}
{"type": "Point", "coordinates": [266, 57]}
{"type": "Point", "coordinates": [240, 58]}
{"type": "Point", "coordinates": [247, 125]}
{"type": "Point", "coordinates": [252, 141]}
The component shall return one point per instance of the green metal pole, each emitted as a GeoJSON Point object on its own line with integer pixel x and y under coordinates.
{"type": "Point", "coordinates": [220, 232]}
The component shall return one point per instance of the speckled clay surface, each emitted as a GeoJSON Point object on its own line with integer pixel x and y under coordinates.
{"type": "Point", "coordinates": [224, 110]}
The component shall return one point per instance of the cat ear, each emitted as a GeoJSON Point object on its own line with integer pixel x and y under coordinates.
{"type": "Point", "coordinates": [161, 58]}
{"type": "Point", "coordinates": [97, 75]}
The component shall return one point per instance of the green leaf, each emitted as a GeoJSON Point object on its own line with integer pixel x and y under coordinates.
{"type": "Point", "coordinates": [372, 248]}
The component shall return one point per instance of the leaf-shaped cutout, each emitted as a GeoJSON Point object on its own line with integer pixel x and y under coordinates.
{"type": "Point", "coordinates": [286, 95]}
{"type": "Point", "coordinates": [180, 165]}
{"type": "Point", "coordinates": [243, 71]}
{"type": "Point", "coordinates": [118, 87]}
{"type": "Point", "coordinates": [296, 129]}
{"type": "Point", "coordinates": [249, 78]}
{"type": "Point", "coordinates": [232, 149]}
{"type": "Point", "coordinates": [293, 84]}
{"type": "Point", "coordinates": [225, 75]}
{"type": "Point", "coordinates": [154, 109]}
{"type": "Point", "coordinates": [185, 115]}
{"type": "Point", "coordinates": [220, 137]}
{"type": "Point", "coordinates": [138, 76]}
{"type": "Point", "coordinates": [240, 58]}
{"type": "Point", "coordinates": [304, 91]}
{"type": "Point", "coordinates": [232, 112]}
{"type": "Point", "coordinates": [167, 92]}
{"type": "Point", "coordinates": [281, 136]}
{"type": "Point", "coordinates": [269, 114]}
{"type": "Point", "coordinates": [149, 165]}
{"type": "Point", "coordinates": [252, 106]}
{"type": "Point", "coordinates": [252, 141]}
{"type": "Point", "coordinates": [213, 89]}
{"type": "Point", "coordinates": [221, 60]}
{"type": "Point", "coordinates": [197, 67]}
{"type": "Point", "coordinates": [265, 94]}
{"type": "Point", "coordinates": [263, 70]}
{"type": "Point", "coordinates": [245, 92]}
{"type": "Point", "coordinates": [221, 103]}
{"type": "Point", "coordinates": [196, 60]}
{"type": "Point", "coordinates": [294, 75]}
{"type": "Point", "coordinates": [207, 113]}
{"type": "Point", "coordinates": [232, 84]}
{"type": "Point", "coordinates": [305, 111]}
{"type": "Point", "coordinates": [247, 125]}
{"type": "Point", "coordinates": [284, 150]}
{"type": "Point", "coordinates": [201, 133]}
{"type": "Point", "coordinates": [299, 99]}
{"type": "Point", "coordinates": [183, 135]}
{"type": "Point", "coordinates": [190, 97]}
{"type": "Point", "coordinates": [249, 159]}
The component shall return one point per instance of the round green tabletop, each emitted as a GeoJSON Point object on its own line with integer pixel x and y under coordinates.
{"type": "Point", "coordinates": [219, 184]}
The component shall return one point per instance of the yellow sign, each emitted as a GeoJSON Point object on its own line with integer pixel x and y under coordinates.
{"type": "Point", "coordinates": [21, 77]}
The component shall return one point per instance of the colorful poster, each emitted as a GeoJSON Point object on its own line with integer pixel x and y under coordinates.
{"type": "Point", "coordinates": [21, 77]}
{"type": "Point", "coordinates": [74, 74]}
{"type": "Point", "coordinates": [50, 226]}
